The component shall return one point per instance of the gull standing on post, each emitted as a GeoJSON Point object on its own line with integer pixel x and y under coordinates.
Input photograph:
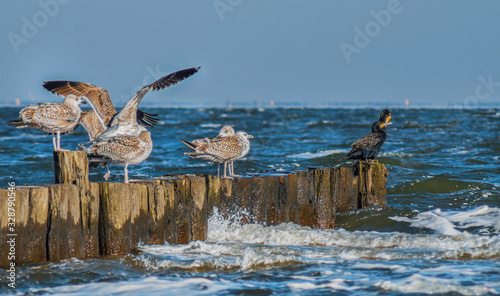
{"type": "Point", "coordinates": [221, 149]}
{"type": "Point", "coordinates": [97, 120]}
{"type": "Point", "coordinates": [52, 118]}
{"type": "Point", "coordinates": [226, 131]}
{"type": "Point", "coordinates": [125, 141]}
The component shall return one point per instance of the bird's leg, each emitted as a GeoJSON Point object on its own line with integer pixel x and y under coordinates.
{"type": "Point", "coordinates": [59, 142]}
{"type": "Point", "coordinates": [106, 177]}
{"type": "Point", "coordinates": [126, 174]}
{"type": "Point", "coordinates": [231, 166]}
{"type": "Point", "coordinates": [225, 168]}
{"type": "Point", "coordinates": [54, 141]}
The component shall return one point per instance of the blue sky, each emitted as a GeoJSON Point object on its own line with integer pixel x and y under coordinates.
{"type": "Point", "coordinates": [314, 53]}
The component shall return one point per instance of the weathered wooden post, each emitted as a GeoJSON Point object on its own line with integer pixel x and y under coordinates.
{"type": "Point", "coordinates": [155, 219]}
{"type": "Point", "coordinates": [242, 190]}
{"type": "Point", "coordinates": [283, 202]}
{"type": "Point", "coordinates": [182, 210]}
{"type": "Point", "coordinates": [213, 194]}
{"type": "Point", "coordinates": [271, 199]}
{"type": "Point", "coordinates": [4, 228]}
{"type": "Point", "coordinates": [31, 220]}
{"type": "Point", "coordinates": [170, 206]}
{"type": "Point", "coordinates": [89, 203]}
{"type": "Point", "coordinates": [141, 212]}
{"type": "Point", "coordinates": [226, 197]}
{"type": "Point", "coordinates": [199, 211]}
{"type": "Point", "coordinates": [65, 236]}
{"type": "Point", "coordinates": [372, 184]}
{"type": "Point", "coordinates": [324, 199]}
{"type": "Point", "coordinates": [308, 213]}
{"type": "Point", "coordinates": [171, 228]}
{"type": "Point", "coordinates": [115, 231]}
{"type": "Point", "coordinates": [72, 167]}
{"type": "Point", "coordinates": [258, 200]}
{"type": "Point", "coordinates": [344, 189]}
{"type": "Point", "coordinates": [293, 209]}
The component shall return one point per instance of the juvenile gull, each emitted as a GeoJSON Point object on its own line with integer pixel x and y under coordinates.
{"type": "Point", "coordinates": [221, 149]}
{"type": "Point", "coordinates": [97, 120]}
{"type": "Point", "coordinates": [52, 118]}
{"type": "Point", "coordinates": [226, 131]}
{"type": "Point", "coordinates": [125, 141]}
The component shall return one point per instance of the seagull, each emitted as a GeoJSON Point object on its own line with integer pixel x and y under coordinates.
{"type": "Point", "coordinates": [52, 118]}
{"type": "Point", "coordinates": [226, 131]}
{"type": "Point", "coordinates": [97, 120]}
{"type": "Point", "coordinates": [246, 148]}
{"type": "Point", "coordinates": [221, 149]}
{"type": "Point", "coordinates": [125, 141]}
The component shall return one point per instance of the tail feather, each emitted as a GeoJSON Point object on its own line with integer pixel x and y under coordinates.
{"type": "Point", "coordinates": [189, 144]}
{"type": "Point", "coordinates": [19, 123]}
{"type": "Point", "coordinates": [340, 160]}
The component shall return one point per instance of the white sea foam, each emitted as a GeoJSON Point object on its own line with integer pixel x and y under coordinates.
{"type": "Point", "coordinates": [447, 222]}
{"type": "Point", "coordinates": [421, 284]}
{"type": "Point", "coordinates": [310, 155]}
{"type": "Point", "coordinates": [397, 154]}
{"type": "Point", "coordinates": [431, 221]}
{"type": "Point", "coordinates": [212, 125]}
{"type": "Point", "coordinates": [336, 284]}
{"type": "Point", "coordinates": [152, 284]}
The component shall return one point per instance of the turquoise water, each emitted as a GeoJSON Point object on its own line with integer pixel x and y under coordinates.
{"type": "Point", "coordinates": [440, 232]}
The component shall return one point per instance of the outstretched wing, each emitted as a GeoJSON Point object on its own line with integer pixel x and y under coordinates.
{"type": "Point", "coordinates": [172, 78]}
{"type": "Point", "coordinates": [90, 122]}
{"type": "Point", "coordinates": [97, 97]}
{"type": "Point", "coordinates": [147, 119]}
{"type": "Point", "coordinates": [129, 115]}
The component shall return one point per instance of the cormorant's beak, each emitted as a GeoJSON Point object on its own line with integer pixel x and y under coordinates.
{"type": "Point", "coordinates": [388, 123]}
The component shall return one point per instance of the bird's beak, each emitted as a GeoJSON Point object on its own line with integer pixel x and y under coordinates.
{"type": "Point", "coordinates": [388, 123]}
{"type": "Point", "coordinates": [388, 119]}
{"type": "Point", "coordinates": [250, 137]}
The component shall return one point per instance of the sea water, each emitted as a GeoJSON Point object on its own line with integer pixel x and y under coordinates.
{"type": "Point", "coordinates": [439, 234]}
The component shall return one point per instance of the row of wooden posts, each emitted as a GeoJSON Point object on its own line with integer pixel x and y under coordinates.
{"type": "Point", "coordinates": [82, 219]}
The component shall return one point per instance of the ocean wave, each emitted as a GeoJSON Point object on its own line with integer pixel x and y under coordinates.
{"type": "Point", "coordinates": [153, 285]}
{"type": "Point", "coordinates": [310, 155]}
{"type": "Point", "coordinates": [448, 222]}
{"type": "Point", "coordinates": [418, 283]}
{"type": "Point", "coordinates": [211, 125]}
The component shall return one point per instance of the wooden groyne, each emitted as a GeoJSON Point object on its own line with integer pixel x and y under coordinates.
{"type": "Point", "coordinates": [82, 219]}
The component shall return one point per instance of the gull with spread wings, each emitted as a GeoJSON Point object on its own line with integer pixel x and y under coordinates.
{"type": "Point", "coordinates": [124, 141]}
